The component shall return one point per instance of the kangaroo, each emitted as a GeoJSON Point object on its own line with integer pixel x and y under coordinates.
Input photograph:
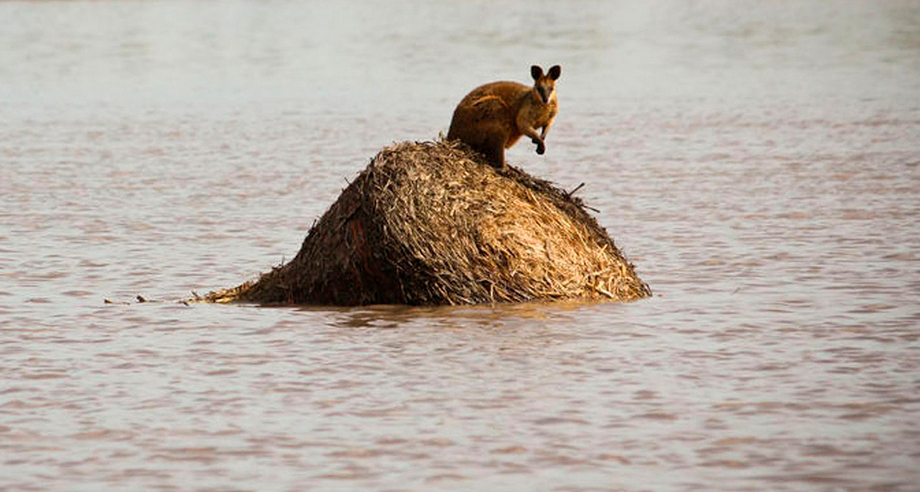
{"type": "Point", "coordinates": [493, 116]}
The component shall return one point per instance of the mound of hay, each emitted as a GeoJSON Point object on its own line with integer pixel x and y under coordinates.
{"type": "Point", "coordinates": [433, 224]}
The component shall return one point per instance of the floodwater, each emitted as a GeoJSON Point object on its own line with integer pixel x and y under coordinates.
{"type": "Point", "coordinates": [759, 161]}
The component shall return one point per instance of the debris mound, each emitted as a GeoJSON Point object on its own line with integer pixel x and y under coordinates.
{"type": "Point", "coordinates": [432, 223]}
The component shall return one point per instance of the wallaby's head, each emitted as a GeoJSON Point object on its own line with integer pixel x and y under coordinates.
{"type": "Point", "coordinates": [545, 84]}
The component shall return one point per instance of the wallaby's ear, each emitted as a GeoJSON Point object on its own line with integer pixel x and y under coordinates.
{"type": "Point", "coordinates": [536, 71]}
{"type": "Point", "coordinates": [554, 72]}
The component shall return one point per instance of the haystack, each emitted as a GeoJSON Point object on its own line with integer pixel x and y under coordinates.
{"type": "Point", "coordinates": [432, 224]}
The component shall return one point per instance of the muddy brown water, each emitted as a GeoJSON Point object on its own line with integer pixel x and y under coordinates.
{"type": "Point", "coordinates": [758, 161]}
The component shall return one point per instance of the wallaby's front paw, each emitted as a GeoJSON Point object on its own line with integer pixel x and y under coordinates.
{"type": "Point", "coordinates": [541, 148]}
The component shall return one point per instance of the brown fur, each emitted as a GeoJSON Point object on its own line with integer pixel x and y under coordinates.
{"type": "Point", "coordinates": [494, 116]}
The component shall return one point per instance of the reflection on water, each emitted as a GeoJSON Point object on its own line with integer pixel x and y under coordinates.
{"type": "Point", "coordinates": [758, 161]}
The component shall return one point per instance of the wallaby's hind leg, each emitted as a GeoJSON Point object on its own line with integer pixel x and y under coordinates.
{"type": "Point", "coordinates": [494, 151]}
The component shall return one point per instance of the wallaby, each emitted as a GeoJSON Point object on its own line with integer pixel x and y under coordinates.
{"type": "Point", "coordinates": [493, 116]}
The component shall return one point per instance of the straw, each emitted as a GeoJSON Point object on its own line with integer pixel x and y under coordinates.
{"type": "Point", "coordinates": [432, 223]}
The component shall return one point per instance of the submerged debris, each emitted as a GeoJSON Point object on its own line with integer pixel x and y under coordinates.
{"type": "Point", "coordinates": [432, 223]}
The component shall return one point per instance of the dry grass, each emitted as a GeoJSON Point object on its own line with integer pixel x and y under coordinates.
{"type": "Point", "coordinates": [432, 223]}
